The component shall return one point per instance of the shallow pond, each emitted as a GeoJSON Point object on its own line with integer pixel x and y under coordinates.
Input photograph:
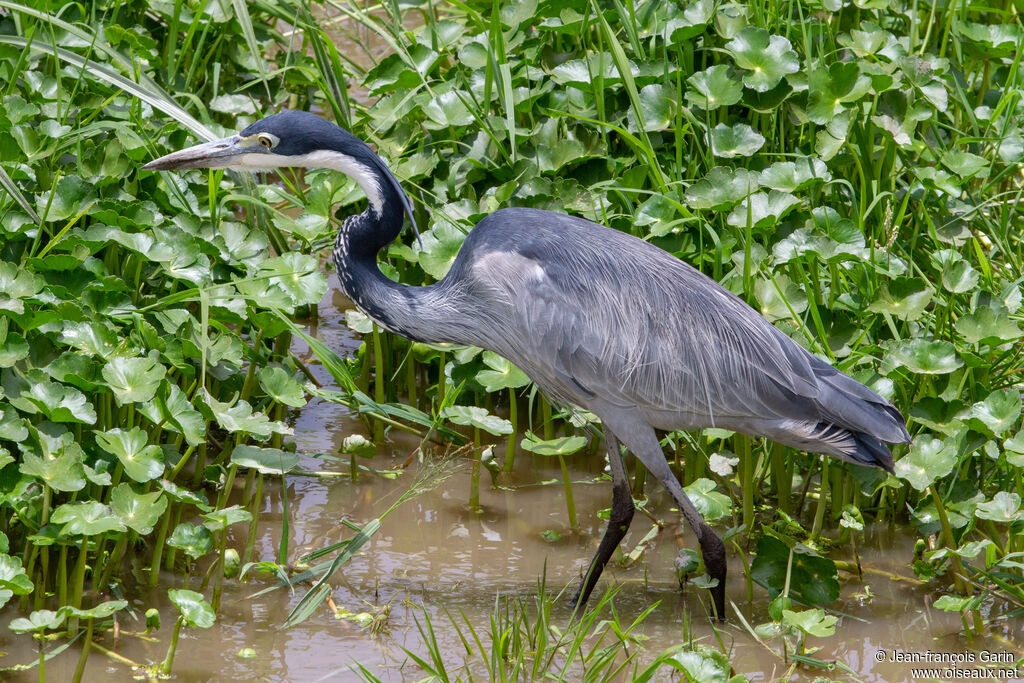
{"type": "Point", "coordinates": [435, 556]}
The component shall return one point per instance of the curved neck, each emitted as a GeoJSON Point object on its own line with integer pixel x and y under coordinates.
{"type": "Point", "coordinates": [413, 312]}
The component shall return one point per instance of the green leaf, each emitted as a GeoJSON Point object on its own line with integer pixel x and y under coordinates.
{"type": "Point", "coordinates": [739, 140]}
{"type": "Point", "coordinates": [195, 541]}
{"type": "Point", "coordinates": [477, 417]}
{"type": "Point", "coordinates": [965, 164]}
{"type": "Point", "coordinates": [440, 245]}
{"type": "Point", "coordinates": [500, 374]}
{"type": "Point", "coordinates": [713, 88]}
{"type": "Point", "coordinates": [93, 338]}
{"type": "Point", "coordinates": [710, 503]}
{"type": "Point", "coordinates": [813, 580]}
{"type": "Point", "coordinates": [903, 297]}
{"type": "Point", "coordinates": [218, 520]}
{"type": "Point", "coordinates": [691, 21]}
{"type": "Point", "coordinates": [134, 380]}
{"type": "Point", "coordinates": [1003, 508]}
{"type": "Point", "coordinates": [358, 321]}
{"type": "Point", "coordinates": [779, 300]}
{"type": "Point", "coordinates": [183, 495]}
{"type": "Point", "coordinates": [12, 577]}
{"type": "Point", "coordinates": [959, 277]}
{"type": "Point", "coordinates": [298, 275]}
{"type": "Point", "coordinates": [658, 107]}
{"type": "Point", "coordinates": [100, 611]}
{"type": "Point", "coordinates": [954, 603]}
{"type": "Point", "coordinates": [17, 285]}
{"type": "Point", "coordinates": [86, 519]}
{"type": "Point", "coordinates": [71, 195]}
{"type": "Point", "coordinates": [997, 413]}
{"type": "Point", "coordinates": [994, 40]}
{"type": "Point", "coordinates": [921, 356]}
{"type": "Point", "coordinates": [721, 188]}
{"type": "Point", "coordinates": [766, 58]}
{"type": "Point", "coordinates": [59, 466]}
{"type": "Point", "coordinates": [138, 511]}
{"type": "Point", "coordinates": [194, 609]}
{"type": "Point", "coordinates": [988, 326]}
{"type": "Point", "coordinates": [791, 176]}
{"type": "Point", "coordinates": [179, 414]}
{"type": "Point", "coordinates": [762, 209]}
{"type": "Point", "coordinates": [937, 179]}
{"type": "Point", "coordinates": [831, 89]}
{"type": "Point", "coordinates": [929, 459]}
{"type": "Point", "coordinates": [141, 462]}
{"type": "Point", "coordinates": [829, 141]}
{"type": "Point", "coordinates": [13, 348]}
{"type": "Point", "coordinates": [239, 417]}
{"type": "Point", "coordinates": [232, 104]}
{"type": "Point", "coordinates": [448, 109]}
{"type": "Point", "coordinates": [281, 386]}
{"type": "Point", "coordinates": [40, 620]}
{"type": "Point", "coordinates": [566, 445]}
{"type": "Point", "coordinates": [703, 664]}
{"type": "Point", "coordinates": [266, 460]}
{"type": "Point", "coordinates": [35, 393]}
{"type": "Point", "coordinates": [813, 622]}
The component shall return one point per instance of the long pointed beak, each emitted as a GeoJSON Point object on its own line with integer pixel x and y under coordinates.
{"type": "Point", "coordinates": [217, 154]}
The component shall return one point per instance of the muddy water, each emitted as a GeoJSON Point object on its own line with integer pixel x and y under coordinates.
{"type": "Point", "coordinates": [435, 557]}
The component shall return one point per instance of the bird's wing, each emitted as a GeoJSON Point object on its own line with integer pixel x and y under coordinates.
{"type": "Point", "coordinates": [594, 311]}
{"type": "Point", "coordinates": [672, 340]}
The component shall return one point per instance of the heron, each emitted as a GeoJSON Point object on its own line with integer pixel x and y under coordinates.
{"type": "Point", "coordinates": [597, 318]}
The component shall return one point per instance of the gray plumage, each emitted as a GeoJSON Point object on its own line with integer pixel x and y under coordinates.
{"type": "Point", "coordinates": [596, 318]}
{"type": "Point", "coordinates": [611, 323]}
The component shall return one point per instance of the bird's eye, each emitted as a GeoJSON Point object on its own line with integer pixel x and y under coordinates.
{"type": "Point", "coordinates": [266, 141]}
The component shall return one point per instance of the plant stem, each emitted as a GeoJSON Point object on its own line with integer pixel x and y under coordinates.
{"type": "Point", "coordinates": [569, 501]}
{"type": "Point", "coordinates": [84, 656]}
{"type": "Point", "coordinates": [165, 666]}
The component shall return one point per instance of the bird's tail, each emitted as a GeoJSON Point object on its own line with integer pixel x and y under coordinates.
{"type": "Point", "coordinates": [855, 423]}
{"type": "Point", "coordinates": [830, 439]}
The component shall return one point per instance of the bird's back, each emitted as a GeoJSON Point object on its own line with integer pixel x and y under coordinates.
{"type": "Point", "coordinates": [602, 319]}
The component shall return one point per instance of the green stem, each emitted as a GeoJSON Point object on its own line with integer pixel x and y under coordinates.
{"type": "Point", "coordinates": [379, 389]}
{"type": "Point", "coordinates": [474, 479]}
{"type": "Point", "coordinates": [783, 485]}
{"type": "Point", "coordinates": [747, 463]}
{"type": "Point", "coordinates": [250, 541]}
{"type": "Point", "coordinates": [113, 561]}
{"type": "Point", "coordinates": [819, 512]}
{"type": "Point", "coordinates": [165, 666]}
{"type": "Point", "coordinates": [84, 656]}
{"type": "Point", "coordinates": [218, 584]}
{"type": "Point", "coordinates": [282, 551]}
{"type": "Point", "coordinates": [513, 417]}
{"type": "Point", "coordinates": [570, 503]}
{"type": "Point", "coordinates": [158, 546]}
{"type": "Point", "coordinates": [962, 587]}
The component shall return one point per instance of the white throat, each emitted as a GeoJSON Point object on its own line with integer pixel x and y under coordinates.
{"type": "Point", "coordinates": [364, 176]}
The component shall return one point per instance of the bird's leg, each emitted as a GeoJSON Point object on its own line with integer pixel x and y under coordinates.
{"type": "Point", "coordinates": [643, 443]}
{"type": "Point", "coordinates": [618, 521]}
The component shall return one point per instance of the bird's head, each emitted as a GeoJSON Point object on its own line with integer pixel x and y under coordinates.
{"type": "Point", "coordinates": [293, 139]}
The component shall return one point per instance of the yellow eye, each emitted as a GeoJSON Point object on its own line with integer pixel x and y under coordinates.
{"type": "Point", "coordinates": [266, 141]}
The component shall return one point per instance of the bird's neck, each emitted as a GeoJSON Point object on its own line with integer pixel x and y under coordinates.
{"type": "Point", "coordinates": [409, 311]}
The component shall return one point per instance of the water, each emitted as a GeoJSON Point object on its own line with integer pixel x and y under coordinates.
{"type": "Point", "coordinates": [435, 556]}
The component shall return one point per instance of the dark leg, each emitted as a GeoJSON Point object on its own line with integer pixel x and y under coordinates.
{"type": "Point", "coordinates": [618, 522]}
{"type": "Point", "coordinates": [643, 443]}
